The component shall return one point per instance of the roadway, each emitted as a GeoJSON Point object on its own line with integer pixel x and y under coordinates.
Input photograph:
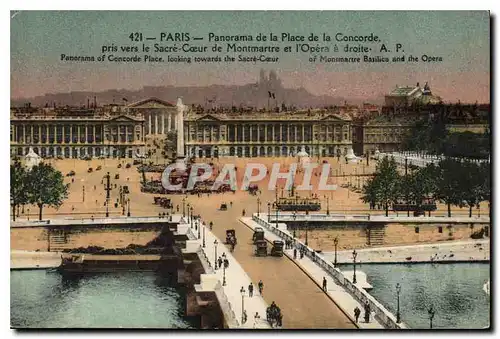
{"type": "Point", "coordinates": [303, 303]}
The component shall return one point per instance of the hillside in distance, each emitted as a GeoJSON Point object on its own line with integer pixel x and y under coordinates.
{"type": "Point", "coordinates": [249, 95]}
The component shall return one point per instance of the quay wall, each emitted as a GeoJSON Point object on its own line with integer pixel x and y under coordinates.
{"type": "Point", "coordinates": [55, 238]}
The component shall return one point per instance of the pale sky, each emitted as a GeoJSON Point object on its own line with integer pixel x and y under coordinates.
{"type": "Point", "coordinates": [460, 38]}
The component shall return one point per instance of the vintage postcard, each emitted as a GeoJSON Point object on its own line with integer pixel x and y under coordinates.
{"type": "Point", "coordinates": [250, 170]}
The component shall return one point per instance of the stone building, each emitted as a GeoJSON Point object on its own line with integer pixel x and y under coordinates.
{"type": "Point", "coordinates": [253, 134]}
{"type": "Point", "coordinates": [159, 115]}
{"type": "Point", "coordinates": [76, 132]}
{"type": "Point", "coordinates": [405, 96]}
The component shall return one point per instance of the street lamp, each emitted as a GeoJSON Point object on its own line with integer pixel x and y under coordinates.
{"type": "Point", "coordinates": [276, 216]}
{"type": "Point", "coordinates": [128, 205]}
{"type": "Point", "coordinates": [269, 212]}
{"type": "Point", "coordinates": [258, 207]}
{"type": "Point", "coordinates": [335, 242]}
{"type": "Point", "coordinates": [307, 226]}
{"type": "Point", "coordinates": [198, 226]}
{"type": "Point", "coordinates": [28, 213]}
{"type": "Point", "coordinates": [223, 269]}
{"type": "Point", "coordinates": [431, 315]}
{"type": "Point", "coordinates": [184, 207]}
{"type": "Point", "coordinates": [215, 247]}
{"type": "Point", "coordinates": [188, 205]}
{"type": "Point", "coordinates": [294, 223]}
{"type": "Point", "coordinates": [204, 235]}
{"type": "Point", "coordinates": [242, 291]}
{"type": "Point", "coordinates": [327, 207]}
{"type": "Point", "coordinates": [354, 255]}
{"type": "Point", "coordinates": [398, 291]}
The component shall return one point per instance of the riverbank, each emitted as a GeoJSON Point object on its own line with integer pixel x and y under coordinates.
{"type": "Point", "coordinates": [449, 252]}
{"type": "Point", "coordinates": [31, 260]}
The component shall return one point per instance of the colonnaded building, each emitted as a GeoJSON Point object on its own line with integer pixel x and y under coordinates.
{"type": "Point", "coordinates": [266, 134]}
{"type": "Point", "coordinates": [107, 131]}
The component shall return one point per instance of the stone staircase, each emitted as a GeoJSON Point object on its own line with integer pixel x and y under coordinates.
{"type": "Point", "coordinates": [58, 241]}
{"type": "Point", "coordinates": [375, 236]}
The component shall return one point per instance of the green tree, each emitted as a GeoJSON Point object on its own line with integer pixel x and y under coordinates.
{"type": "Point", "coordinates": [472, 188]}
{"type": "Point", "coordinates": [46, 187]}
{"type": "Point", "coordinates": [426, 183]}
{"type": "Point", "coordinates": [385, 183]}
{"type": "Point", "coordinates": [369, 193]}
{"type": "Point", "coordinates": [450, 182]}
{"type": "Point", "coordinates": [18, 183]}
{"type": "Point", "coordinates": [406, 189]}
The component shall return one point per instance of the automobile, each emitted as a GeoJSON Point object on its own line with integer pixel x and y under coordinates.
{"type": "Point", "coordinates": [90, 170]}
{"type": "Point", "coordinates": [128, 165]}
{"type": "Point", "coordinates": [117, 176]}
{"type": "Point", "coordinates": [98, 168]}
{"type": "Point", "coordinates": [277, 249]}
{"type": "Point", "coordinates": [70, 173]}
{"type": "Point", "coordinates": [258, 234]}
{"type": "Point", "coordinates": [261, 248]}
{"type": "Point", "coordinates": [119, 165]}
{"type": "Point", "coordinates": [223, 207]}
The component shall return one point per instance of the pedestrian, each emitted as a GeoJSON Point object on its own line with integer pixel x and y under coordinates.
{"type": "Point", "coordinates": [261, 287]}
{"type": "Point", "coordinates": [219, 261]}
{"type": "Point", "coordinates": [295, 253]}
{"type": "Point", "coordinates": [226, 263]}
{"type": "Point", "coordinates": [230, 204]}
{"type": "Point", "coordinates": [357, 313]}
{"type": "Point", "coordinates": [367, 312]}
{"type": "Point", "coordinates": [250, 290]}
{"type": "Point", "coordinates": [324, 284]}
{"type": "Point", "coordinates": [211, 224]}
{"type": "Point", "coordinates": [301, 253]}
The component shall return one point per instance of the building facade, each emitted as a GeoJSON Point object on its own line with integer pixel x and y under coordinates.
{"type": "Point", "coordinates": [266, 134]}
{"type": "Point", "coordinates": [76, 133]}
{"type": "Point", "coordinates": [159, 115]}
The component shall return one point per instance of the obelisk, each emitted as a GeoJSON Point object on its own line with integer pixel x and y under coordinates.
{"type": "Point", "coordinates": [180, 129]}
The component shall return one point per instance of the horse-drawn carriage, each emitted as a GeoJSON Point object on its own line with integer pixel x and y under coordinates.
{"type": "Point", "coordinates": [274, 316]}
{"type": "Point", "coordinates": [231, 238]}
{"type": "Point", "coordinates": [223, 207]}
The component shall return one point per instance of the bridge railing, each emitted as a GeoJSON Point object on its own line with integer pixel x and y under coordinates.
{"type": "Point", "coordinates": [204, 260]}
{"type": "Point", "coordinates": [226, 306]}
{"type": "Point", "coordinates": [381, 313]}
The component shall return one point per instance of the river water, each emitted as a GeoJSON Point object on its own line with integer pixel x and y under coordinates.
{"type": "Point", "coordinates": [454, 290]}
{"type": "Point", "coordinates": [41, 299]}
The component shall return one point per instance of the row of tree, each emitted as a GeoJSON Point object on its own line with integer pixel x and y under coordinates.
{"type": "Point", "coordinates": [41, 186]}
{"type": "Point", "coordinates": [453, 182]}
{"type": "Point", "coordinates": [433, 137]}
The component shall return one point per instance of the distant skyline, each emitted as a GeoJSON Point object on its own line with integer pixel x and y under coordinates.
{"type": "Point", "coordinates": [460, 38]}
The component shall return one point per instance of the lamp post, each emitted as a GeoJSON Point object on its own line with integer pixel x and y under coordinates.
{"type": "Point", "coordinates": [398, 291]}
{"type": "Point", "coordinates": [204, 235]}
{"type": "Point", "coordinates": [354, 255]}
{"type": "Point", "coordinates": [191, 218]}
{"type": "Point", "coordinates": [327, 207]}
{"type": "Point", "coordinates": [431, 315]}
{"type": "Point", "coordinates": [268, 212]}
{"type": "Point", "coordinates": [184, 207]}
{"type": "Point", "coordinates": [335, 243]}
{"type": "Point", "coordinates": [28, 213]}
{"type": "Point", "coordinates": [223, 270]}
{"type": "Point", "coordinates": [294, 223]}
{"type": "Point", "coordinates": [242, 291]}
{"type": "Point", "coordinates": [276, 216]}
{"type": "Point", "coordinates": [128, 207]}
{"type": "Point", "coordinates": [215, 248]}
{"type": "Point", "coordinates": [107, 189]}
{"type": "Point", "coordinates": [198, 226]}
{"type": "Point", "coordinates": [258, 207]}
{"type": "Point", "coordinates": [306, 224]}
{"type": "Point", "coordinates": [188, 205]}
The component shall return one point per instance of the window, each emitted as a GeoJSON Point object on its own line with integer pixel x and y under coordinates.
{"type": "Point", "coordinates": [417, 229]}
{"type": "Point", "coordinates": [440, 229]}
